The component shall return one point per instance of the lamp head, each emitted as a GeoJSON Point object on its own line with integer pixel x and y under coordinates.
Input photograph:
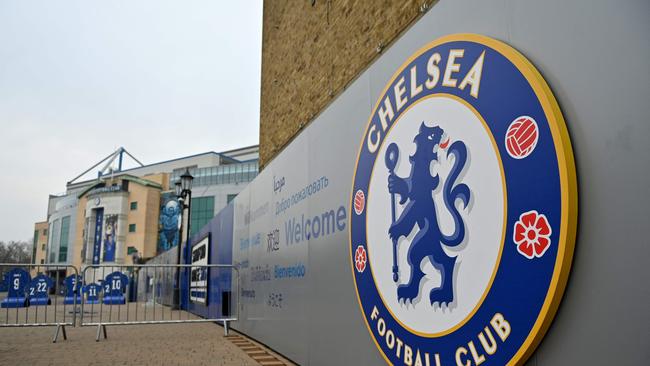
{"type": "Point", "coordinates": [179, 189]}
{"type": "Point", "coordinates": [186, 181]}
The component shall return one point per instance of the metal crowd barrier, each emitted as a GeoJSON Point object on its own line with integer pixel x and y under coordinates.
{"type": "Point", "coordinates": [148, 294]}
{"type": "Point", "coordinates": [38, 295]}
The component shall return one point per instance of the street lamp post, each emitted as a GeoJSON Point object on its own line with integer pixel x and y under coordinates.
{"type": "Point", "coordinates": [186, 185]}
{"type": "Point", "coordinates": [184, 193]}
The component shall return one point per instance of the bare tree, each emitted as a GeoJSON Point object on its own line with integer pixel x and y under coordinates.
{"type": "Point", "coordinates": [15, 252]}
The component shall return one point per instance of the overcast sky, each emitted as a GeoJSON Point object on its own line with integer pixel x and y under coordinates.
{"type": "Point", "coordinates": [78, 79]}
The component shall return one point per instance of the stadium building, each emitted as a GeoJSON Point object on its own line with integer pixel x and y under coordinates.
{"type": "Point", "coordinates": [135, 211]}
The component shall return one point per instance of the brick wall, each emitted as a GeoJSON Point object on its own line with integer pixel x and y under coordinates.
{"type": "Point", "coordinates": [312, 49]}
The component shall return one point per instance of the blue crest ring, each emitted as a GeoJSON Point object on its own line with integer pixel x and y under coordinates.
{"type": "Point", "coordinates": [525, 292]}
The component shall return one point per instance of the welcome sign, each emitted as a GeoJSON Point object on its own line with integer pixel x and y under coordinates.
{"type": "Point", "coordinates": [463, 207]}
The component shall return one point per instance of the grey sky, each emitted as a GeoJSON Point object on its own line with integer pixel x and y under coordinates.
{"type": "Point", "coordinates": [80, 78]}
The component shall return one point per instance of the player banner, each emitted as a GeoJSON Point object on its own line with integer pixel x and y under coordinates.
{"type": "Point", "coordinates": [110, 237]}
{"type": "Point", "coordinates": [97, 240]}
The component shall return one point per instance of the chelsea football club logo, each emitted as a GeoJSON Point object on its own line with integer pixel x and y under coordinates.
{"type": "Point", "coordinates": [464, 207]}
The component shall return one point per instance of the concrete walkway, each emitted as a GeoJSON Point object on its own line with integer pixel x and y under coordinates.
{"type": "Point", "coordinates": [169, 344]}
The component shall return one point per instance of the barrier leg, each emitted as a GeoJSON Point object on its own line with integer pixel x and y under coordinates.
{"type": "Point", "coordinates": [56, 334]}
{"type": "Point", "coordinates": [225, 328]}
{"type": "Point", "coordinates": [100, 327]}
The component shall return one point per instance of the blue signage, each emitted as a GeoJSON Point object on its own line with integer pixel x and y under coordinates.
{"type": "Point", "coordinates": [114, 287]}
{"type": "Point", "coordinates": [463, 207]}
{"type": "Point", "coordinates": [110, 237]}
{"type": "Point", "coordinates": [97, 240]}
{"type": "Point", "coordinates": [39, 290]}
{"type": "Point", "coordinates": [16, 281]}
{"type": "Point", "coordinates": [170, 211]}
{"type": "Point", "coordinates": [72, 290]}
{"type": "Point", "coordinates": [92, 292]}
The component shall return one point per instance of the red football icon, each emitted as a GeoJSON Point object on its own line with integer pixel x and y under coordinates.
{"type": "Point", "coordinates": [359, 202]}
{"type": "Point", "coordinates": [522, 137]}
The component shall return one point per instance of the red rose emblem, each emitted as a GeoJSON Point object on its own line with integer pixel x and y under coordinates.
{"type": "Point", "coordinates": [360, 259]}
{"type": "Point", "coordinates": [532, 234]}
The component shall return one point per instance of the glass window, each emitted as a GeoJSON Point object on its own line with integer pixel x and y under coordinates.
{"type": "Point", "coordinates": [223, 174]}
{"type": "Point", "coordinates": [44, 231]}
{"type": "Point", "coordinates": [134, 206]}
{"type": "Point", "coordinates": [131, 228]}
{"type": "Point", "coordinates": [202, 212]}
{"type": "Point", "coordinates": [49, 242]}
{"type": "Point", "coordinates": [34, 246]}
{"type": "Point", "coordinates": [63, 242]}
{"type": "Point", "coordinates": [54, 241]}
{"type": "Point", "coordinates": [231, 197]}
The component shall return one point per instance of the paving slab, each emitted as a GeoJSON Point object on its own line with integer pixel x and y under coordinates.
{"type": "Point", "coordinates": [168, 344]}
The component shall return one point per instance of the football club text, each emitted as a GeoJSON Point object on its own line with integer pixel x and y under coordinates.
{"type": "Point", "coordinates": [474, 352]}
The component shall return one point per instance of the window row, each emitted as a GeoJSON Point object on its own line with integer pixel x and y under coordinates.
{"type": "Point", "coordinates": [223, 174]}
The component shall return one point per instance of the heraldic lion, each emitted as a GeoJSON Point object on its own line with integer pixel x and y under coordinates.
{"type": "Point", "coordinates": [416, 192]}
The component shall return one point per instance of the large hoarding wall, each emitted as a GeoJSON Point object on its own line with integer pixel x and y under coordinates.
{"type": "Point", "coordinates": [290, 236]}
{"type": "Point", "coordinates": [297, 288]}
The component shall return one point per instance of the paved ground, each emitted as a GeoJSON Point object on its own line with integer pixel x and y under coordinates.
{"type": "Point", "coordinates": [174, 344]}
{"type": "Point", "coordinates": [159, 344]}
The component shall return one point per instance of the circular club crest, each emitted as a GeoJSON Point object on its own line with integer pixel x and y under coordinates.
{"type": "Point", "coordinates": [466, 207]}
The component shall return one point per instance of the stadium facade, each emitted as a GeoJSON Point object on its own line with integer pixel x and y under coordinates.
{"type": "Point", "coordinates": [134, 212]}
